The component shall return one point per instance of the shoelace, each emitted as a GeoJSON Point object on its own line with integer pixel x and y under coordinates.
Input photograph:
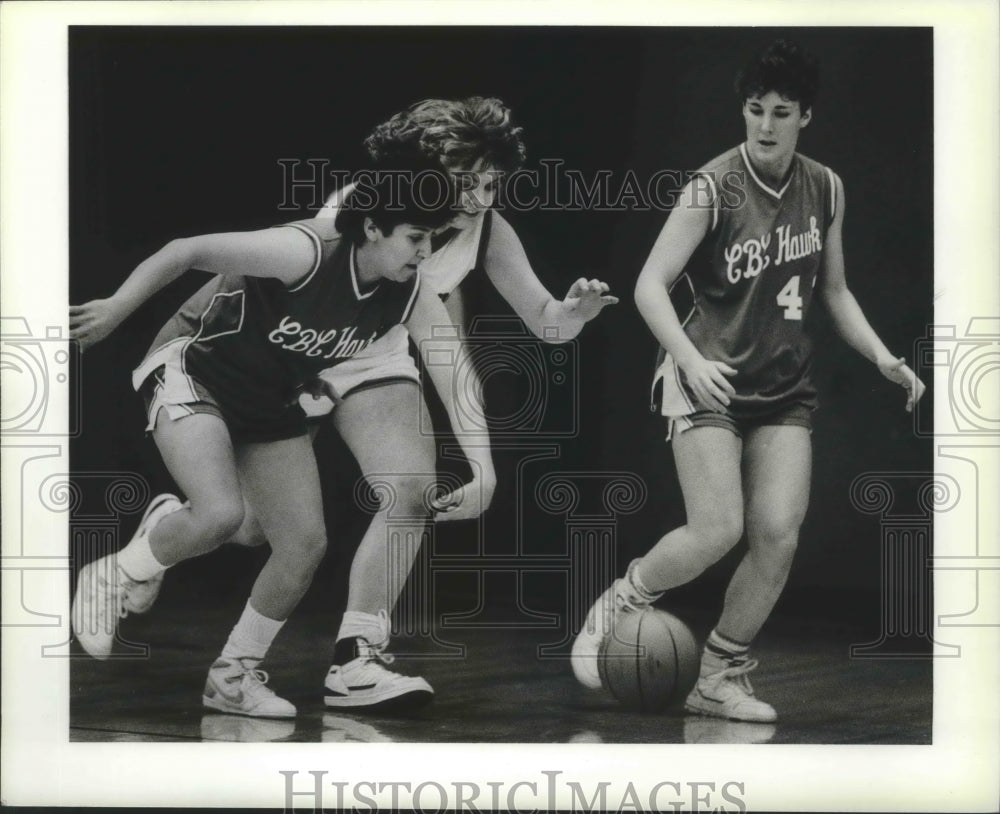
{"type": "Point", "coordinates": [738, 674]}
{"type": "Point", "coordinates": [253, 680]}
{"type": "Point", "coordinates": [125, 584]}
{"type": "Point", "coordinates": [258, 678]}
{"type": "Point", "coordinates": [120, 591]}
{"type": "Point", "coordinates": [624, 600]}
{"type": "Point", "coordinates": [375, 653]}
{"type": "Point", "coordinates": [621, 603]}
{"type": "Point", "coordinates": [626, 604]}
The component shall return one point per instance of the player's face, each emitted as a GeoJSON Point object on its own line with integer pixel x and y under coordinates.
{"type": "Point", "coordinates": [479, 191]}
{"type": "Point", "coordinates": [395, 256]}
{"type": "Point", "coordinates": [773, 125]}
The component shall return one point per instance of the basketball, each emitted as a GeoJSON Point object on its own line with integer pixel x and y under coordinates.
{"type": "Point", "coordinates": [650, 661]}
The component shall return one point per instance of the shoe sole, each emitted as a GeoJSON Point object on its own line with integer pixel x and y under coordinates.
{"type": "Point", "coordinates": [412, 699]}
{"type": "Point", "coordinates": [583, 657]}
{"type": "Point", "coordinates": [580, 659]}
{"type": "Point", "coordinates": [77, 616]}
{"type": "Point", "coordinates": [219, 707]}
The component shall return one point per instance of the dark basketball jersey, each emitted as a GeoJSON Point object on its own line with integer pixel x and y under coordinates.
{"type": "Point", "coordinates": [253, 342]}
{"type": "Point", "coordinates": [753, 278]}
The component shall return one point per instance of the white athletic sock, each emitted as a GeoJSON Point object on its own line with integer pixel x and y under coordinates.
{"type": "Point", "coordinates": [633, 578]}
{"type": "Point", "coordinates": [251, 638]}
{"type": "Point", "coordinates": [373, 629]}
{"type": "Point", "coordinates": [721, 652]}
{"type": "Point", "coordinates": [138, 561]}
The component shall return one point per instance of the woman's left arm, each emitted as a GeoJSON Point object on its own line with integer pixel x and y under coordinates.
{"type": "Point", "coordinates": [547, 318]}
{"type": "Point", "coordinates": [451, 370]}
{"type": "Point", "coordinates": [848, 318]}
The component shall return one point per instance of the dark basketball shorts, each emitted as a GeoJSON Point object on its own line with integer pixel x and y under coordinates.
{"type": "Point", "coordinates": [257, 422]}
{"type": "Point", "coordinates": [796, 414]}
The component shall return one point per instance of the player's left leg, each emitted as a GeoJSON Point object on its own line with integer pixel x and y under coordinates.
{"type": "Point", "coordinates": [777, 462]}
{"type": "Point", "coordinates": [776, 477]}
{"type": "Point", "coordinates": [386, 428]}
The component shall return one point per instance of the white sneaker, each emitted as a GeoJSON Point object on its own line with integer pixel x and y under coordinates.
{"type": "Point", "coordinates": [140, 595]}
{"type": "Point", "coordinates": [728, 694]}
{"type": "Point", "coordinates": [240, 689]}
{"type": "Point", "coordinates": [621, 597]}
{"type": "Point", "coordinates": [365, 683]}
{"type": "Point", "coordinates": [98, 605]}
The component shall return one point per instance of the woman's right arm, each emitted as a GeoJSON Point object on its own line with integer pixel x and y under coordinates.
{"type": "Point", "coordinates": [286, 254]}
{"type": "Point", "coordinates": [685, 228]}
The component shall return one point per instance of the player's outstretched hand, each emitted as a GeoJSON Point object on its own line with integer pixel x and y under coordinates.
{"type": "Point", "coordinates": [466, 502]}
{"type": "Point", "coordinates": [91, 322]}
{"type": "Point", "coordinates": [896, 370]}
{"type": "Point", "coordinates": [586, 298]}
{"type": "Point", "coordinates": [707, 379]}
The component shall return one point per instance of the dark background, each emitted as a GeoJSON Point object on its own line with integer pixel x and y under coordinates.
{"type": "Point", "coordinates": [179, 131]}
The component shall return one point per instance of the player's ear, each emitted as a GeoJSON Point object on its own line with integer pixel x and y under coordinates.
{"type": "Point", "coordinates": [806, 117]}
{"type": "Point", "coordinates": [372, 232]}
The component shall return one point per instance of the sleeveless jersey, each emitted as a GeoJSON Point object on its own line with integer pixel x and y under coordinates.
{"type": "Point", "coordinates": [752, 280]}
{"type": "Point", "coordinates": [457, 252]}
{"type": "Point", "coordinates": [252, 341]}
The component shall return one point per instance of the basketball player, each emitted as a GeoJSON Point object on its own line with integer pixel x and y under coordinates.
{"type": "Point", "coordinates": [221, 384]}
{"type": "Point", "coordinates": [475, 140]}
{"type": "Point", "coordinates": [756, 234]}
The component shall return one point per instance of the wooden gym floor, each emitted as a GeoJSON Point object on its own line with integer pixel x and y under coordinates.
{"type": "Point", "coordinates": [499, 690]}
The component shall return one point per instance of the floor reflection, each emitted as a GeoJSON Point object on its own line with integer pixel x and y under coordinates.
{"type": "Point", "coordinates": [699, 729]}
{"type": "Point", "coordinates": [241, 729]}
{"type": "Point", "coordinates": [341, 729]}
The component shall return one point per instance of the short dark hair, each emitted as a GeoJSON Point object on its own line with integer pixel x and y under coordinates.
{"type": "Point", "coordinates": [784, 67]}
{"type": "Point", "coordinates": [418, 192]}
{"type": "Point", "coordinates": [458, 132]}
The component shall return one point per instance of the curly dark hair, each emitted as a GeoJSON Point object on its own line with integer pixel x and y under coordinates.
{"type": "Point", "coordinates": [784, 67]}
{"type": "Point", "coordinates": [420, 193]}
{"type": "Point", "coordinates": [458, 133]}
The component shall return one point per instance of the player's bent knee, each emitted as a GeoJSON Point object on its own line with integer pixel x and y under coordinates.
{"type": "Point", "coordinates": [301, 552]}
{"type": "Point", "coordinates": [312, 555]}
{"type": "Point", "coordinates": [218, 521]}
{"type": "Point", "coordinates": [780, 544]}
{"type": "Point", "coordinates": [407, 495]}
{"type": "Point", "coordinates": [778, 534]}
{"type": "Point", "coordinates": [312, 542]}
{"type": "Point", "coordinates": [251, 536]}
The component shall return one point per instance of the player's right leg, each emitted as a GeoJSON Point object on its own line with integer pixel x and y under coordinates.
{"type": "Point", "coordinates": [198, 453]}
{"type": "Point", "coordinates": [708, 468]}
{"type": "Point", "coordinates": [382, 426]}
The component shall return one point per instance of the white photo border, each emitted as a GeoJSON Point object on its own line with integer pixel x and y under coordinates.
{"type": "Point", "coordinates": [41, 767]}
